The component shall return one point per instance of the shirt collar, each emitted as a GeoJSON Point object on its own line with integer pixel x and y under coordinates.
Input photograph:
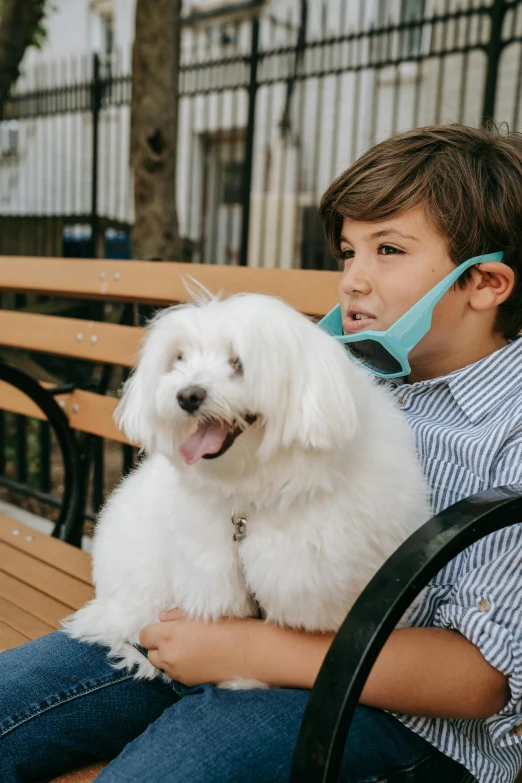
{"type": "Point", "coordinates": [480, 387]}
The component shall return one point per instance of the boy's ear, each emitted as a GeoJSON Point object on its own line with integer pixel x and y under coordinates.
{"type": "Point", "coordinates": [493, 284]}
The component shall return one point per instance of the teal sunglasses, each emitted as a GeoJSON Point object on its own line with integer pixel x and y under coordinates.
{"type": "Point", "coordinates": [386, 353]}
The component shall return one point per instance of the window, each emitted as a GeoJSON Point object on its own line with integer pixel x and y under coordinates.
{"type": "Point", "coordinates": [198, 10]}
{"type": "Point", "coordinates": [411, 39]}
{"type": "Point", "coordinates": [103, 11]}
{"type": "Point", "coordinates": [9, 139]}
{"type": "Point", "coordinates": [229, 34]}
{"type": "Point", "coordinates": [232, 174]}
{"type": "Point", "coordinates": [205, 6]}
{"type": "Point", "coordinates": [107, 34]}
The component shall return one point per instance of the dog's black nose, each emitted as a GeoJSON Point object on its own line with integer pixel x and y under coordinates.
{"type": "Point", "coordinates": [191, 398]}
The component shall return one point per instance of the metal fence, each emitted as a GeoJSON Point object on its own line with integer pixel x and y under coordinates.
{"type": "Point", "coordinates": [270, 111]}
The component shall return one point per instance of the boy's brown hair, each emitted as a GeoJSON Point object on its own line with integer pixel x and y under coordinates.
{"type": "Point", "coordinates": [469, 181]}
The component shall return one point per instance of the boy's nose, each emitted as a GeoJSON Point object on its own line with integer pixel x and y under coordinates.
{"type": "Point", "coordinates": [355, 278]}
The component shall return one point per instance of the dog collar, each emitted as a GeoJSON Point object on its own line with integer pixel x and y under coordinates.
{"type": "Point", "coordinates": [239, 522]}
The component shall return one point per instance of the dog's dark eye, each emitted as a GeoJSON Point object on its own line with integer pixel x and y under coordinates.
{"type": "Point", "coordinates": [236, 364]}
{"type": "Point", "coordinates": [179, 357]}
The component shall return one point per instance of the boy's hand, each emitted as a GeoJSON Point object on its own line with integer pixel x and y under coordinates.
{"type": "Point", "coordinates": [195, 651]}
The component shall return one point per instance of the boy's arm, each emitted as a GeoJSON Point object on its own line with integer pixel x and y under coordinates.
{"type": "Point", "coordinates": [470, 665]}
{"type": "Point", "coordinates": [429, 672]}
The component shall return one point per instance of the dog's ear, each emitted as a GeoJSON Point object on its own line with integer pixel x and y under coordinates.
{"type": "Point", "coordinates": [135, 412]}
{"type": "Point", "coordinates": [325, 412]}
{"type": "Point", "coordinates": [130, 415]}
{"type": "Point", "coordinates": [315, 407]}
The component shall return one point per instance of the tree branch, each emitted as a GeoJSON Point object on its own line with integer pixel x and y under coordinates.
{"type": "Point", "coordinates": [18, 23]}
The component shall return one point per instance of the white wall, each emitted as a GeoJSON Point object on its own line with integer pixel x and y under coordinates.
{"type": "Point", "coordinates": [289, 173]}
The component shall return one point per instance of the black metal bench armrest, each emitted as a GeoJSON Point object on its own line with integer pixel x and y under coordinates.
{"type": "Point", "coordinates": [375, 614]}
{"type": "Point", "coordinates": [66, 526]}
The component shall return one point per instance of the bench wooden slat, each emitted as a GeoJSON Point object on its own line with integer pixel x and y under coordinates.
{"type": "Point", "coordinates": [10, 638]}
{"type": "Point", "coordinates": [93, 413]}
{"type": "Point", "coordinates": [73, 592]}
{"type": "Point", "coordinates": [23, 622]}
{"type": "Point", "coordinates": [31, 600]}
{"type": "Point", "coordinates": [86, 411]}
{"type": "Point", "coordinates": [113, 343]}
{"type": "Point", "coordinates": [64, 557]}
{"type": "Point", "coordinates": [159, 283]}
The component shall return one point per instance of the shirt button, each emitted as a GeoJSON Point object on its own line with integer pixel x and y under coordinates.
{"type": "Point", "coordinates": [517, 730]}
{"type": "Point", "coordinates": [484, 605]}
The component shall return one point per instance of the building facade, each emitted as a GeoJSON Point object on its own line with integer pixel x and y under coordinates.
{"type": "Point", "coordinates": [270, 111]}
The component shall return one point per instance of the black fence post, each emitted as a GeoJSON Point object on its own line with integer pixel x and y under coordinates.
{"type": "Point", "coordinates": [494, 52]}
{"type": "Point", "coordinates": [249, 151]}
{"type": "Point", "coordinates": [95, 110]}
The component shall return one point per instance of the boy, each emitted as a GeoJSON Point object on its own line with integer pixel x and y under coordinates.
{"type": "Point", "coordinates": [401, 218]}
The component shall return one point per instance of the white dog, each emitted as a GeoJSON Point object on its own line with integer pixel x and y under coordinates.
{"type": "Point", "coordinates": [248, 412]}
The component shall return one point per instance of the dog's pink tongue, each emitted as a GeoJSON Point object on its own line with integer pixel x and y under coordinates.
{"type": "Point", "coordinates": [207, 439]}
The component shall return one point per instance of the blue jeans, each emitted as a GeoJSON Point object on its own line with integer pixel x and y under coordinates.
{"type": "Point", "coordinates": [62, 705]}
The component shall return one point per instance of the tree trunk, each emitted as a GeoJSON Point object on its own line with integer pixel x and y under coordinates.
{"type": "Point", "coordinates": [154, 125]}
{"type": "Point", "coordinates": [18, 22]}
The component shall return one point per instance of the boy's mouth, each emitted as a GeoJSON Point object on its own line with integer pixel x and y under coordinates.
{"type": "Point", "coordinates": [358, 321]}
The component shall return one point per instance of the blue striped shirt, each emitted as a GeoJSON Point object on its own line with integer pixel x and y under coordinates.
{"type": "Point", "coordinates": [468, 429]}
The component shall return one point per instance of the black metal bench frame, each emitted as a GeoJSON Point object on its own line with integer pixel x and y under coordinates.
{"type": "Point", "coordinates": [67, 526]}
{"type": "Point", "coordinates": [335, 695]}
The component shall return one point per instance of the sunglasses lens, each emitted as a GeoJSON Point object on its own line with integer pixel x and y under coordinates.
{"type": "Point", "coordinates": [374, 356]}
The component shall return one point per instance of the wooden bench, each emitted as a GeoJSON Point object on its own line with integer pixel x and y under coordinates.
{"type": "Point", "coordinates": [43, 579]}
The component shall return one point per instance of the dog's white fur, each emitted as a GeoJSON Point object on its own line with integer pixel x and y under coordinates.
{"type": "Point", "coordinates": [327, 474]}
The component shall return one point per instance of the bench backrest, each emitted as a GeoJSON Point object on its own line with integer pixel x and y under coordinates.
{"type": "Point", "coordinates": [141, 282]}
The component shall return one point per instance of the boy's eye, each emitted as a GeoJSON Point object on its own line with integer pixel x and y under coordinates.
{"type": "Point", "coordinates": [384, 250]}
{"type": "Point", "coordinates": [389, 250]}
{"type": "Point", "coordinates": [345, 255]}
